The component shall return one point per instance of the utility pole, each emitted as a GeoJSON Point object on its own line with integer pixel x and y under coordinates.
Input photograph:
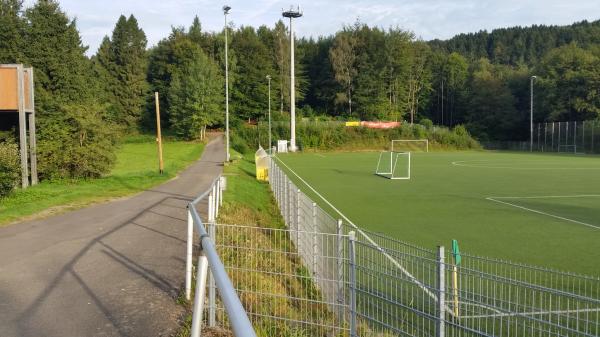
{"type": "Point", "coordinates": [226, 9]}
{"type": "Point", "coordinates": [270, 143]}
{"type": "Point", "coordinates": [158, 135]}
{"type": "Point", "coordinates": [292, 14]}
{"type": "Point", "coordinates": [531, 115]}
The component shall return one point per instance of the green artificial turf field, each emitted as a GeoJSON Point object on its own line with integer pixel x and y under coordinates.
{"type": "Point", "coordinates": [537, 209]}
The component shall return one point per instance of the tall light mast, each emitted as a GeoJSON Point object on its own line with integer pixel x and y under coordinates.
{"type": "Point", "coordinates": [292, 14]}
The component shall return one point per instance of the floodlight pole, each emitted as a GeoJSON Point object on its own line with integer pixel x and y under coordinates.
{"type": "Point", "coordinates": [531, 115]}
{"type": "Point", "coordinates": [226, 9]}
{"type": "Point", "coordinates": [292, 14]}
{"type": "Point", "coordinates": [270, 143]}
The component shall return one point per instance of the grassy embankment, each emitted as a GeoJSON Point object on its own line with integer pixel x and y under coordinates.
{"type": "Point", "coordinates": [337, 137]}
{"type": "Point", "coordinates": [136, 169]}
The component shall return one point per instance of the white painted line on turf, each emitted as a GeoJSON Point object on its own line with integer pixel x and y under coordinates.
{"type": "Point", "coordinates": [552, 196]}
{"type": "Point", "coordinates": [381, 250]}
{"type": "Point", "coordinates": [540, 212]}
{"type": "Point", "coordinates": [465, 163]}
{"type": "Point", "coordinates": [320, 155]}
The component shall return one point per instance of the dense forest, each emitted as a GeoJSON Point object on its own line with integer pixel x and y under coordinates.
{"type": "Point", "coordinates": [479, 80]}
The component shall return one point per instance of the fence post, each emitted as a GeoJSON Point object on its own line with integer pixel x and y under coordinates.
{"type": "Point", "coordinates": [211, 279]}
{"type": "Point", "coordinates": [552, 142]}
{"type": "Point", "coordinates": [298, 218]}
{"type": "Point", "coordinates": [539, 130]}
{"type": "Point", "coordinates": [221, 191]}
{"type": "Point", "coordinates": [290, 215]}
{"type": "Point", "coordinates": [314, 220]}
{"type": "Point", "coordinates": [215, 201]}
{"type": "Point", "coordinates": [558, 143]}
{"type": "Point", "coordinates": [592, 140]}
{"type": "Point", "coordinates": [190, 250]}
{"type": "Point", "coordinates": [200, 295]}
{"type": "Point", "coordinates": [286, 200]}
{"type": "Point", "coordinates": [340, 267]}
{"type": "Point", "coordinates": [352, 271]}
{"type": "Point", "coordinates": [441, 293]}
{"type": "Point", "coordinates": [583, 136]}
{"type": "Point", "coordinates": [545, 136]}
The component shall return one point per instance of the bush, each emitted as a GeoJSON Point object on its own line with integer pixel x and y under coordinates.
{"type": "Point", "coordinates": [10, 169]}
{"type": "Point", "coordinates": [239, 144]}
{"type": "Point", "coordinates": [427, 123]}
{"type": "Point", "coordinates": [75, 142]}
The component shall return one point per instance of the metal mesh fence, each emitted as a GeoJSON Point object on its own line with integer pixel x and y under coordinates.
{"type": "Point", "coordinates": [280, 292]}
{"type": "Point", "coordinates": [394, 288]}
{"type": "Point", "coordinates": [566, 137]}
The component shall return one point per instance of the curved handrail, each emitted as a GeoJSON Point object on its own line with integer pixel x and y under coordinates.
{"type": "Point", "coordinates": [238, 317]}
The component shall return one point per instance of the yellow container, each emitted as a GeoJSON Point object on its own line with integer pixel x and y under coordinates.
{"type": "Point", "coordinates": [352, 123]}
{"type": "Point", "coordinates": [262, 160]}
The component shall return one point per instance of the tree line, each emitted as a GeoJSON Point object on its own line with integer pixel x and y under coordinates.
{"type": "Point", "coordinates": [478, 80]}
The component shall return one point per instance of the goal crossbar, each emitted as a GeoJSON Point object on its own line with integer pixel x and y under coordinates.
{"type": "Point", "coordinates": [410, 141]}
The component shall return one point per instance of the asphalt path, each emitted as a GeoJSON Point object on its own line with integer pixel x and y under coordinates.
{"type": "Point", "coordinates": [113, 269]}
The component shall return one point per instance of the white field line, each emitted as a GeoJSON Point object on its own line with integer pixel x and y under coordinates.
{"type": "Point", "coordinates": [465, 163]}
{"type": "Point", "coordinates": [320, 155]}
{"type": "Point", "coordinates": [551, 196]}
{"type": "Point", "coordinates": [533, 313]}
{"type": "Point", "coordinates": [496, 199]}
{"type": "Point", "coordinates": [394, 262]}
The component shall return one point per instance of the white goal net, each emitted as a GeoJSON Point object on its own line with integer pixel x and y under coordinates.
{"type": "Point", "coordinates": [410, 145]}
{"type": "Point", "coordinates": [393, 165]}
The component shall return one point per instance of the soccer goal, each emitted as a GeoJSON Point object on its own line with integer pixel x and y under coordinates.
{"type": "Point", "coordinates": [569, 148]}
{"type": "Point", "coordinates": [393, 165]}
{"type": "Point", "coordinates": [412, 145]}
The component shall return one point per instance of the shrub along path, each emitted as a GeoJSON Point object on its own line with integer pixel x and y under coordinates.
{"type": "Point", "coordinates": [113, 269]}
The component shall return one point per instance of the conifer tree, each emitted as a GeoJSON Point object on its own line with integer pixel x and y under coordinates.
{"type": "Point", "coordinates": [11, 31]}
{"type": "Point", "coordinates": [74, 138]}
{"type": "Point", "coordinates": [123, 59]}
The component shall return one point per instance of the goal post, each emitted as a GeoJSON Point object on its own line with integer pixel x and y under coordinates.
{"type": "Point", "coordinates": [394, 165]}
{"type": "Point", "coordinates": [412, 145]}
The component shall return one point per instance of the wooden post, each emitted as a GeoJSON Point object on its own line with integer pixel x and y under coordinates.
{"type": "Point", "coordinates": [22, 126]}
{"type": "Point", "coordinates": [32, 131]}
{"type": "Point", "coordinates": [158, 135]}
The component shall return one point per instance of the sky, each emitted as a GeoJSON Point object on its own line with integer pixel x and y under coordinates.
{"type": "Point", "coordinates": [428, 19]}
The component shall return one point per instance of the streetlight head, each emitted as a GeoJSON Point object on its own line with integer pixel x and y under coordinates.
{"type": "Point", "coordinates": [226, 9]}
{"type": "Point", "coordinates": [292, 13]}
{"type": "Point", "coordinates": [534, 77]}
{"type": "Point", "coordinates": [268, 77]}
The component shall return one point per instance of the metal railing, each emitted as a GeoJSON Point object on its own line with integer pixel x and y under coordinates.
{"type": "Point", "coordinates": [403, 289]}
{"type": "Point", "coordinates": [211, 267]}
{"type": "Point", "coordinates": [282, 293]}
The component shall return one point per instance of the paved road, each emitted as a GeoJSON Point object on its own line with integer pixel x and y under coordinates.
{"type": "Point", "coordinates": [108, 270]}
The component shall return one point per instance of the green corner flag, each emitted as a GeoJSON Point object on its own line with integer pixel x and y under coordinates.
{"type": "Point", "coordinates": [456, 252]}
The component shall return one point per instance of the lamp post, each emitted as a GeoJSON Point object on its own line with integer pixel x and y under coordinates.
{"type": "Point", "coordinates": [531, 115]}
{"type": "Point", "coordinates": [226, 9]}
{"type": "Point", "coordinates": [270, 143]}
{"type": "Point", "coordinates": [292, 14]}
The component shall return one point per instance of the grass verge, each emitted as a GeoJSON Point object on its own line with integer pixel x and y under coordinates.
{"type": "Point", "coordinates": [136, 169]}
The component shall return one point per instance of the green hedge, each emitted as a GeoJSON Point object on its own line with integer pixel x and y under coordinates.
{"type": "Point", "coordinates": [330, 136]}
{"type": "Point", "coordinates": [10, 170]}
